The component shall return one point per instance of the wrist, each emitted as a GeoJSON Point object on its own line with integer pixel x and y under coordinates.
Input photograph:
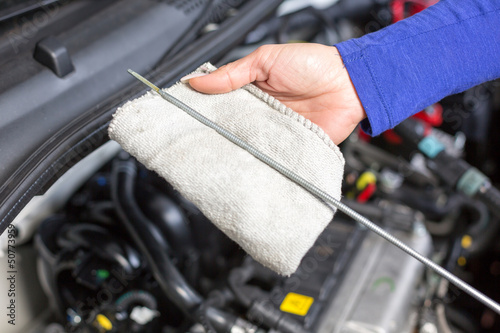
{"type": "Point", "coordinates": [357, 112]}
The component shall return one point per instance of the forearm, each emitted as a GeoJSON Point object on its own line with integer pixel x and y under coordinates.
{"type": "Point", "coordinates": [448, 48]}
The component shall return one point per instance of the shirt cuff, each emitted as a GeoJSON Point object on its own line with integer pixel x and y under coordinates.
{"type": "Point", "coordinates": [358, 66]}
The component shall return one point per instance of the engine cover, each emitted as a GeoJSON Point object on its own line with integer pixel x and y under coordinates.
{"type": "Point", "coordinates": [351, 281]}
{"type": "Point", "coordinates": [378, 288]}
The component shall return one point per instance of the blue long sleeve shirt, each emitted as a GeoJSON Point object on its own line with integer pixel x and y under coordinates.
{"type": "Point", "coordinates": [447, 48]}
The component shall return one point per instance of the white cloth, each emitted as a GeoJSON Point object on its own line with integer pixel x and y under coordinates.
{"type": "Point", "coordinates": [270, 217]}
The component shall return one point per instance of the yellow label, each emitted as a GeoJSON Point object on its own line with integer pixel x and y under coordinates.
{"type": "Point", "coordinates": [296, 304]}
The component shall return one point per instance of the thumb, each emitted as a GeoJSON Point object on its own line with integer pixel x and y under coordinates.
{"type": "Point", "coordinates": [225, 79]}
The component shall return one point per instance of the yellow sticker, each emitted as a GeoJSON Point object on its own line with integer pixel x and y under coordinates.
{"type": "Point", "coordinates": [297, 304]}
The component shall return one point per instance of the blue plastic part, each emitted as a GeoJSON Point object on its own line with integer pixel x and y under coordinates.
{"type": "Point", "coordinates": [101, 181]}
{"type": "Point", "coordinates": [430, 146]}
{"type": "Point", "coordinates": [471, 181]}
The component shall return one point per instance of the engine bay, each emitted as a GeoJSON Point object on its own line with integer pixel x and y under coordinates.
{"type": "Point", "coordinates": [99, 277]}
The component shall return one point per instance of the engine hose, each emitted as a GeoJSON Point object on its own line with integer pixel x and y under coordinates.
{"type": "Point", "coordinates": [453, 254]}
{"type": "Point", "coordinates": [98, 239]}
{"type": "Point", "coordinates": [344, 9]}
{"type": "Point", "coordinates": [461, 320]}
{"type": "Point", "coordinates": [420, 200]}
{"type": "Point", "coordinates": [237, 279]}
{"type": "Point", "coordinates": [202, 316]}
{"type": "Point", "coordinates": [265, 312]}
{"type": "Point", "coordinates": [135, 297]}
{"type": "Point", "coordinates": [491, 197]}
{"type": "Point", "coordinates": [453, 171]}
{"type": "Point", "coordinates": [167, 216]}
{"type": "Point", "coordinates": [259, 309]}
{"type": "Point", "coordinates": [142, 231]}
{"type": "Point", "coordinates": [244, 292]}
{"type": "Point", "coordinates": [440, 309]}
{"type": "Point", "coordinates": [483, 231]}
{"type": "Point", "coordinates": [482, 240]}
{"type": "Point", "coordinates": [212, 10]}
{"type": "Point", "coordinates": [477, 236]}
{"type": "Point", "coordinates": [225, 322]}
{"type": "Point", "coordinates": [193, 31]}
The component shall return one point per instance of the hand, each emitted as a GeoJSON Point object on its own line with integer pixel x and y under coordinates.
{"type": "Point", "coordinates": [309, 78]}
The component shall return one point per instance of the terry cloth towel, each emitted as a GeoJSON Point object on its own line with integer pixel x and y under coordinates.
{"type": "Point", "coordinates": [270, 217]}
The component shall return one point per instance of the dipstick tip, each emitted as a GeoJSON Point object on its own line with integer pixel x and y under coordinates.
{"type": "Point", "coordinates": [143, 80]}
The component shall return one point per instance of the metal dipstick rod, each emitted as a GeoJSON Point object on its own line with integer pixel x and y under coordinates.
{"type": "Point", "coordinates": [325, 197]}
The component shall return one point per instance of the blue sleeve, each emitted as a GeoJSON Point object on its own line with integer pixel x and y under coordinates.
{"type": "Point", "coordinates": [447, 48]}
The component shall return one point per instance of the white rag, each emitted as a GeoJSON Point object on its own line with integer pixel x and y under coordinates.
{"type": "Point", "coordinates": [270, 217]}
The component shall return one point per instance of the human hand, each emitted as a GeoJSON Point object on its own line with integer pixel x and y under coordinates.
{"type": "Point", "coordinates": [309, 78]}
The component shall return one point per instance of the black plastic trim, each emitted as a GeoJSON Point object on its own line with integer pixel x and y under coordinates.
{"type": "Point", "coordinates": [51, 53]}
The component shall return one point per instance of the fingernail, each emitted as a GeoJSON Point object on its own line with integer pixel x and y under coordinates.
{"type": "Point", "coordinates": [186, 78]}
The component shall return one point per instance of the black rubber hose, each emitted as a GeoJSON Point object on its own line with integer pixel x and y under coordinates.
{"type": "Point", "coordinates": [135, 297]}
{"type": "Point", "coordinates": [144, 234]}
{"type": "Point", "coordinates": [461, 319]}
{"type": "Point", "coordinates": [174, 225]}
{"type": "Point", "coordinates": [484, 230]}
{"type": "Point", "coordinates": [225, 322]}
{"type": "Point", "coordinates": [453, 254]}
{"type": "Point", "coordinates": [491, 197]}
{"type": "Point", "coordinates": [237, 278]}
{"type": "Point", "coordinates": [213, 9]}
{"type": "Point", "coordinates": [220, 321]}
{"type": "Point", "coordinates": [420, 200]}
{"type": "Point", "coordinates": [353, 9]}
{"type": "Point", "coordinates": [260, 310]}
{"type": "Point", "coordinates": [266, 313]}
{"type": "Point", "coordinates": [449, 168]}
{"type": "Point", "coordinates": [167, 216]}
{"type": "Point", "coordinates": [411, 130]}
{"type": "Point", "coordinates": [101, 241]}
{"type": "Point", "coordinates": [387, 214]}
{"type": "Point", "coordinates": [344, 9]}
{"type": "Point", "coordinates": [193, 31]}
{"type": "Point", "coordinates": [244, 292]}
